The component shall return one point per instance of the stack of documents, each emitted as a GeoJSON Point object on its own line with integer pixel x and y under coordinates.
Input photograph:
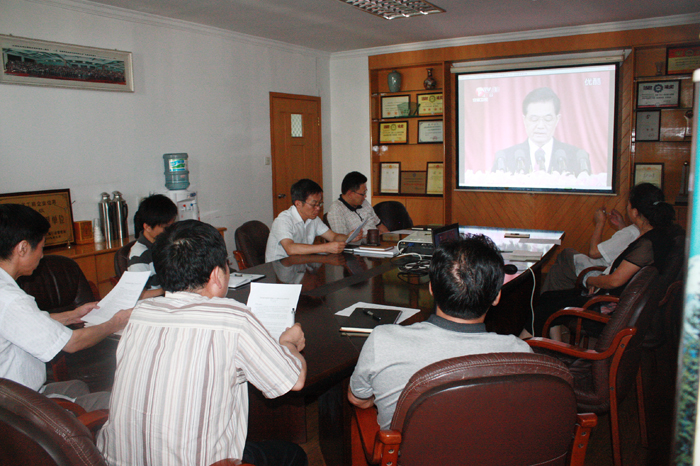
{"type": "Point", "coordinates": [237, 280]}
{"type": "Point", "coordinates": [375, 251]}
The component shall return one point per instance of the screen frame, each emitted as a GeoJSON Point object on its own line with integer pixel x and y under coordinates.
{"type": "Point", "coordinates": [614, 188]}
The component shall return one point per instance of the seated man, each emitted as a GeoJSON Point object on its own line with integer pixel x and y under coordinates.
{"type": "Point", "coordinates": [465, 279]}
{"type": "Point", "coordinates": [294, 230]}
{"type": "Point", "coordinates": [180, 392]}
{"type": "Point", "coordinates": [570, 263]}
{"type": "Point", "coordinates": [351, 208]}
{"type": "Point", "coordinates": [155, 213]}
{"type": "Point", "coordinates": [29, 337]}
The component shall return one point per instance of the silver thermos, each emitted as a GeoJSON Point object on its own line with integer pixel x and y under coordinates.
{"type": "Point", "coordinates": [120, 212]}
{"type": "Point", "coordinates": [106, 217]}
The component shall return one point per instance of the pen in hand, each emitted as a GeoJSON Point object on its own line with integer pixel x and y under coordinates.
{"type": "Point", "coordinates": [371, 314]}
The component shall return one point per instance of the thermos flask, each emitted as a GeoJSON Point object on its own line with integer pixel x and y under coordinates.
{"type": "Point", "coordinates": [120, 212]}
{"type": "Point", "coordinates": [106, 217]}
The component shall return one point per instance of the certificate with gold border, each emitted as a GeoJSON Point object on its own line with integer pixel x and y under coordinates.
{"type": "Point", "coordinates": [393, 133]}
{"type": "Point", "coordinates": [430, 104]}
{"type": "Point", "coordinates": [434, 183]}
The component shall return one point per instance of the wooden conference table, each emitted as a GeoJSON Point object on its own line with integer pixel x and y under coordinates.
{"type": "Point", "coordinates": [331, 283]}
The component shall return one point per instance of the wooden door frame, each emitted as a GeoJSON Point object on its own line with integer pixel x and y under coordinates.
{"type": "Point", "coordinates": [273, 148]}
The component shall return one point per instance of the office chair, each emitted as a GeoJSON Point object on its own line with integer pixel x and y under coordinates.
{"type": "Point", "coordinates": [58, 285]}
{"type": "Point", "coordinates": [251, 241]}
{"type": "Point", "coordinates": [613, 365]}
{"type": "Point", "coordinates": [393, 215]}
{"type": "Point", "coordinates": [121, 260]}
{"type": "Point", "coordinates": [502, 408]}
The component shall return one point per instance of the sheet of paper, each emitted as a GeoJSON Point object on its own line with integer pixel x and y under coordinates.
{"type": "Point", "coordinates": [123, 296]}
{"type": "Point", "coordinates": [405, 314]}
{"type": "Point", "coordinates": [274, 305]}
{"type": "Point", "coordinates": [540, 241]}
{"type": "Point", "coordinates": [237, 280]}
{"type": "Point", "coordinates": [357, 231]}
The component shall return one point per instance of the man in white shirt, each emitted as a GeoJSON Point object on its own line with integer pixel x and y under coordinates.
{"type": "Point", "coordinates": [293, 232]}
{"type": "Point", "coordinates": [351, 208]}
{"type": "Point", "coordinates": [29, 337]}
{"type": "Point", "coordinates": [570, 263]}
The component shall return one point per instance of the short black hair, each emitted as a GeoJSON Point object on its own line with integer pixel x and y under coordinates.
{"type": "Point", "coordinates": [542, 94]}
{"type": "Point", "coordinates": [649, 201]}
{"type": "Point", "coordinates": [466, 276]}
{"type": "Point", "coordinates": [186, 253]}
{"type": "Point", "coordinates": [18, 223]}
{"type": "Point", "coordinates": [352, 182]}
{"type": "Point", "coordinates": [154, 211]}
{"type": "Point", "coordinates": [304, 188]}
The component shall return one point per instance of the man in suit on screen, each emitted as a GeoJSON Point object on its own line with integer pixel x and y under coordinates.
{"type": "Point", "coordinates": [541, 152]}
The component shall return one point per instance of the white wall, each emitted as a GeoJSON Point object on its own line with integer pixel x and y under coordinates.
{"type": "Point", "coordinates": [198, 90]}
{"type": "Point", "coordinates": [350, 119]}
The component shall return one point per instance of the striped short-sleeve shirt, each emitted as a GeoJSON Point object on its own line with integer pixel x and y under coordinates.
{"type": "Point", "coordinates": [180, 395]}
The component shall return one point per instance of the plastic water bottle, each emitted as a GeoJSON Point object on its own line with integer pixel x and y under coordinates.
{"type": "Point", "coordinates": [176, 174]}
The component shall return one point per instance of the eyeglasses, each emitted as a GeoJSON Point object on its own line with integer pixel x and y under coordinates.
{"type": "Point", "coordinates": [314, 206]}
{"type": "Point", "coordinates": [361, 194]}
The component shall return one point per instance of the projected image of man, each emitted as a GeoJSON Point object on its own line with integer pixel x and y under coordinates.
{"type": "Point", "coordinates": [541, 152]}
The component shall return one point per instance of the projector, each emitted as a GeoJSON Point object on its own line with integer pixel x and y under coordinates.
{"type": "Point", "coordinates": [419, 242]}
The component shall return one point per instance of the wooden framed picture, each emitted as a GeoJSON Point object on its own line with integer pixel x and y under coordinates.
{"type": "Point", "coordinates": [658, 94]}
{"type": "Point", "coordinates": [389, 175]}
{"type": "Point", "coordinates": [430, 131]}
{"type": "Point", "coordinates": [430, 104]}
{"type": "Point", "coordinates": [649, 173]}
{"type": "Point", "coordinates": [648, 125]}
{"type": "Point", "coordinates": [682, 60]}
{"type": "Point", "coordinates": [392, 105]}
{"type": "Point", "coordinates": [395, 132]}
{"type": "Point", "coordinates": [434, 183]}
{"type": "Point", "coordinates": [413, 182]}
{"type": "Point", "coordinates": [55, 205]}
{"type": "Point", "coordinates": [42, 63]}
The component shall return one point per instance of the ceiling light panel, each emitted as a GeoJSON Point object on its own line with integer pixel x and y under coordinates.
{"type": "Point", "coordinates": [390, 9]}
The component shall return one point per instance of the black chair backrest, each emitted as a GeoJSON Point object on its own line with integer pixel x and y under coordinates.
{"type": "Point", "coordinates": [504, 408]}
{"type": "Point", "coordinates": [121, 259]}
{"type": "Point", "coordinates": [393, 215]}
{"type": "Point", "coordinates": [57, 284]}
{"type": "Point", "coordinates": [36, 431]}
{"type": "Point", "coordinates": [251, 241]}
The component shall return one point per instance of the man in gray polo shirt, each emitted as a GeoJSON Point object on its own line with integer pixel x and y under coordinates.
{"type": "Point", "coordinates": [465, 279]}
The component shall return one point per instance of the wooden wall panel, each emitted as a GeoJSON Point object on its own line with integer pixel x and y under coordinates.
{"type": "Point", "coordinates": [571, 213]}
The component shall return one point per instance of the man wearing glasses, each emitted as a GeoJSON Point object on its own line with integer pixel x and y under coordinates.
{"type": "Point", "coordinates": [541, 152]}
{"type": "Point", "coordinates": [351, 208]}
{"type": "Point", "coordinates": [293, 232]}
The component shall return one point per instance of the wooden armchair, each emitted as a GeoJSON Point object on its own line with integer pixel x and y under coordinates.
{"type": "Point", "coordinates": [605, 374]}
{"type": "Point", "coordinates": [506, 409]}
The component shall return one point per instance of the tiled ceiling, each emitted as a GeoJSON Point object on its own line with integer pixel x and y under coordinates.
{"type": "Point", "coordinates": [334, 26]}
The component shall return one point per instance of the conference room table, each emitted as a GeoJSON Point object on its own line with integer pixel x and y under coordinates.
{"type": "Point", "coordinates": [330, 283]}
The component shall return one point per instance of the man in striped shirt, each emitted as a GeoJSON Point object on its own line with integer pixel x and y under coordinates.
{"type": "Point", "coordinates": [180, 395]}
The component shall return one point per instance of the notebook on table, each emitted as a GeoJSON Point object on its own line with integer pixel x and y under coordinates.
{"type": "Point", "coordinates": [364, 319]}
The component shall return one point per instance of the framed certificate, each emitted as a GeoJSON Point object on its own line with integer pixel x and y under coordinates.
{"type": "Point", "coordinates": [648, 125]}
{"type": "Point", "coordinates": [649, 173]}
{"type": "Point", "coordinates": [413, 182]}
{"type": "Point", "coordinates": [54, 205]}
{"type": "Point", "coordinates": [429, 131]}
{"type": "Point", "coordinates": [389, 177]}
{"type": "Point", "coordinates": [656, 94]}
{"type": "Point", "coordinates": [390, 105]}
{"type": "Point", "coordinates": [682, 60]}
{"type": "Point", "coordinates": [430, 104]}
{"type": "Point", "coordinates": [434, 183]}
{"type": "Point", "coordinates": [393, 133]}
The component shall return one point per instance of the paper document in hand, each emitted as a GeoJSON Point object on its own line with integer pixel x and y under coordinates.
{"type": "Point", "coordinates": [274, 305]}
{"type": "Point", "coordinates": [123, 296]}
{"type": "Point", "coordinates": [357, 231]}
